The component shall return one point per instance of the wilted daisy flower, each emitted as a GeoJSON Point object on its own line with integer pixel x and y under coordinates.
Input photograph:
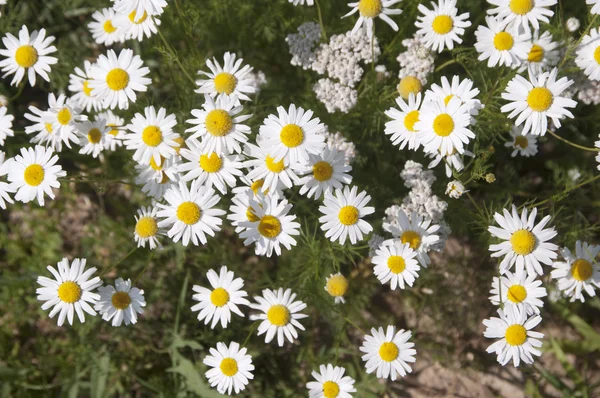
{"type": "Point", "coordinates": [218, 125]}
{"type": "Point", "coordinates": [330, 383]}
{"type": "Point", "coordinates": [227, 81]}
{"type": "Point", "coordinates": [70, 291]}
{"type": "Point", "coordinates": [116, 79]}
{"type": "Point", "coordinates": [116, 134]}
{"type": "Point", "coordinates": [132, 27]}
{"type": "Point", "coordinates": [524, 145]}
{"type": "Point", "coordinates": [325, 173]}
{"type": "Point", "coordinates": [279, 315]}
{"type": "Point", "coordinates": [518, 342]}
{"type": "Point", "coordinates": [442, 26]}
{"type": "Point", "coordinates": [79, 84]}
{"type": "Point", "coordinates": [520, 13]}
{"type": "Point", "coordinates": [6, 120]}
{"type": "Point", "coordinates": [231, 368]}
{"type": "Point", "coordinates": [463, 90]}
{"type": "Point", "coordinates": [455, 189]}
{"type": "Point", "coordinates": [103, 27]}
{"type": "Point", "coordinates": [34, 173]}
{"type": "Point", "coordinates": [343, 212]}
{"type": "Point", "coordinates": [388, 352]}
{"type": "Point", "coordinates": [121, 303]}
{"type": "Point", "coordinates": [146, 228]}
{"type": "Point", "coordinates": [92, 136]}
{"type": "Point", "coordinates": [500, 46]}
{"type": "Point", "coordinates": [158, 179]}
{"type": "Point", "coordinates": [578, 272]}
{"type": "Point", "coordinates": [595, 6]}
{"type": "Point", "coordinates": [4, 187]}
{"type": "Point", "coordinates": [152, 135]}
{"type": "Point", "coordinates": [543, 53]}
{"type": "Point", "coordinates": [371, 9]}
{"type": "Point", "coordinates": [402, 126]}
{"type": "Point", "coordinates": [140, 7]}
{"type": "Point", "coordinates": [27, 54]}
{"type": "Point", "coordinates": [337, 285]}
{"type": "Point", "coordinates": [395, 263]}
{"type": "Point", "coordinates": [518, 290]}
{"type": "Point", "coordinates": [263, 166]}
{"type": "Point", "coordinates": [524, 242]}
{"type": "Point", "coordinates": [588, 54]}
{"type": "Point", "coordinates": [221, 300]}
{"type": "Point", "coordinates": [190, 214]}
{"type": "Point", "coordinates": [537, 99]}
{"type": "Point", "coordinates": [573, 24]}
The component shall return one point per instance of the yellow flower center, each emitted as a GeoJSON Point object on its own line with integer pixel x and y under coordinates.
{"type": "Point", "coordinates": [165, 178]}
{"type": "Point", "coordinates": [121, 300]}
{"type": "Point", "coordinates": [212, 163]}
{"type": "Point", "coordinates": [117, 79]}
{"type": "Point", "coordinates": [597, 55]}
{"type": "Point", "coordinates": [275, 167]}
{"type": "Point", "coordinates": [219, 297]}
{"type": "Point", "coordinates": [410, 119]}
{"type": "Point", "coordinates": [114, 130]}
{"type": "Point", "coordinates": [225, 83]}
{"type": "Point", "coordinates": [523, 242]}
{"type": "Point", "coordinates": [536, 54]}
{"type": "Point", "coordinates": [64, 116]}
{"type": "Point", "coordinates": [408, 85]}
{"type": "Point", "coordinates": [69, 292]}
{"type": "Point", "coordinates": [258, 184]}
{"type": "Point", "coordinates": [448, 98]}
{"type": "Point", "coordinates": [278, 315]}
{"type": "Point", "coordinates": [322, 171]}
{"type": "Point", "coordinates": [180, 144]}
{"type": "Point", "coordinates": [540, 99]}
{"type": "Point", "coordinates": [229, 367]}
{"type": "Point", "coordinates": [503, 41]}
{"type": "Point", "coordinates": [34, 175]}
{"type": "Point", "coordinates": [139, 21]}
{"type": "Point", "coordinates": [94, 136]}
{"type": "Point", "coordinates": [86, 89]}
{"type": "Point", "coordinates": [157, 167]}
{"type": "Point", "coordinates": [26, 56]}
{"type": "Point", "coordinates": [189, 213]}
{"type": "Point", "coordinates": [337, 285]}
{"type": "Point", "coordinates": [581, 270]}
{"type": "Point", "coordinates": [412, 238]}
{"type": "Point", "coordinates": [521, 142]}
{"type": "Point", "coordinates": [521, 7]}
{"type": "Point", "coordinates": [515, 335]}
{"type": "Point", "coordinates": [331, 389]}
{"type": "Point", "coordinates": [370, 8]}
{"type": "Point", "coordinates": [291, 135]}
{"type": "Point", "coordinates": [251, 216]}
{"type": "Point", "coordinates": [49, 128]}
{"type": "Point", "coordinates": [218, 122]}
{"type": "Point", "coordinates": [348, 215]}
{"type": "Point", "coordinates": [396, 264]}
{"type": "Point", "coordinates": [517, 293]}
{"type": "Point", "coordinates": [269, 226]}
{"type": "Point", "coordinates": [109, 27]}
{"type": "Point", "coordinates": [152, 136]}
{"type": "Point", "coordinates": [388, 351]}
{"type": "Point", "coordinates": [146, 227]}
{"type": "Point", "coordinates": [443, 125]}
{"type": "Point", "coordinates": [442, 24]}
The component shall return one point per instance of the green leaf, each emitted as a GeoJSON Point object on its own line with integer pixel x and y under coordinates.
{"type": "Point", "coordinates": [100, 376]}
{"type": "Point", "coordinates": [194, 382]}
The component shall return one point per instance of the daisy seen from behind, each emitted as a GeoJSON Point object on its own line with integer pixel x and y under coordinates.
{"type": "Point", "coordinates": [396, 263]}
{"type": "Point", "coordinates": [230, 368]}
{"type": "Point", "coordinates": [442, 26]}
{"type": "Point", "coordinates": [388, 352]}
{"type": "Point", "coordinates": [229, 80]}
{"type": "Point", "coordinates": [120, 303]}
{"type": "Point", "coordinates": [151, 135]}
{"type": "Point", "coordinates": [146, 229]}
{"type": "Point", "coordinates": [579, 272]}
{"type": "Point", "coordinates": [324, 173]}
{"type": "Point", "coordinates": [401, 128]}
{"type": "Point", "coordinates": [330, 382]}
{"type": "Point", "coordinates": [519, 290]}
{"type": "Point", "coordinates": [368, 10]}
{"type": "Point", "coordinates": [343, 212]}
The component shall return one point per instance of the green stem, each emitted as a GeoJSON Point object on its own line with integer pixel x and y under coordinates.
{"type": "Point", "coordinates": [353, 324]}
{"type": "Point", "coordinates": [585, 148]}
{"type": "Point", "coordinates": [473, 201]}
{"type": "Point", "coordinates": [323, 32]}
{"type": "Point", "coordinates": [120, 261]}
{"type": "Point", "coordinates": [145, 268]}
{"type": "Point", "coordinates": [176, 58]}
{"type": "Point", "coordinates": [447, 63]}
{"type": "Point", "coordinates": [252, 329]}
{"type": "Point", "coordinates": [18, 94]}
{"type": "Point", "coordinates": [566, 191]}
{"type": "Point", "coordinates": [570, 48]}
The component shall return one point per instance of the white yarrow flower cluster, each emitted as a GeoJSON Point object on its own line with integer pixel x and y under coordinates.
{"type": "Point", "coordinates": [303, 43]}
{"type": "Point", "coordinates": [417, 60]}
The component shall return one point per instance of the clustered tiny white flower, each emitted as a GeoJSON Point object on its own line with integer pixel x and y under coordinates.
{"type": "Point", "coordinates": [302, 44]}
{"type": "Point", "coordinates": [416, 61]}
{"type": "Point", "coordinates": [374, 242]}
{"type": "Point", "coordinates": [335, 96]}
{"type": "Point", "coordinates": [339, 142]}
{"type": "Point", "coordinates": [258, 80]}
{"type": "Point", "coordinates": [573, 24]}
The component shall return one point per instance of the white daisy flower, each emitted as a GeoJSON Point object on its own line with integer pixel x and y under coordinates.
{"type": "Point", "coordinates": [158, 179]}
{"type": "Point", "coordinates": [240, 209]}
{"type": "Point", "coordinates": [231, 368]}
{"type": "Point", "coordinates": [121, 303]}
{"type": "Point", "coordinates": [388, 352]}
{"type": "Point", "coordinates": [279, 315]}
{"type": "Point", "coordinates": [595, 6]}
{"type": "Point", "coordinates": [337, 285]}
{"type": "Point", "coordinates": [64, 118]}
{"type": "Point", "coordinates": [301, 2]}
{"type": "Point", "coordinates": [70, 291]}
{"type": "Point", "coordinates": [103, 27]}
{"type": "Point", "coordinates": [140, 7]}
{"type": "Point", "coordinates": [27, 54]}
{"type": "Point", "coordinates": [519, 290]}
{"type": "Point", "coordinates": [543, 53]}
{"type": "Point", "coordinates": [190, 213]}
{"type": "Point", "coordinates": [116, 79]}
{"type": "Point", "coordinates": [588, 54]}
{"type": "Point", "coordinates": [521, 13]}
{"type": "Point", "coordinates": [524, 242]}
{"type": "Point", "coordinates": [92, 137]}
{"type": "Point", "coordinates": [227, 81]}
{"type": "Point", "coordinates": [537, 99]}
{"type": "Point", "coordinates": [371, 9]}
{"type": "Point", "coordinates": [463, 90]}
{"type": "Point", "coordinates": [455, 189]}
{"type": "Point", "coordinates": [330, 383]}
{"type": "Point", "coordinates": [325, 173]}
{"type": "Point", "coordinates": [219, 125]}
{"type": "Point", "coordinates": [79, 84]}
{"type": "Point", "coordinates": [116, 134]}
{"type": "Point", "coordinates": [402, 126]}
{"type": "Point", "coordinates": [256, 186]}
{"type": "Point", "coordinates": [454, 161]}
{"type": "Point", "coordinates": [6, 120]}
{"type": "Point", "coordinates": [5, 189]}
{"type": "Point", "coordinates": [146, 228]}
{"type": "Point", "coordinates": [524, 145]}
{"type": "Point", "coordinates": [396, 263]}
{"type": "Point", "coordinates": [500, 46]}
{"type": "Point", "coordinates": [152, 135]}
{"type": "Point", "coordinates": [34, 173]}
{"type": "Point", "coordinates": [442, 26]}
{"type": "Point", "coordinates": [343, 213]}
{"type": "Point", "coordinates": [578, 272]}
{"type": "Point", "coordinates": [518, 342]}
{"type": "Point", "coordinates": [221, 300]}
{"type": "Point", "coordinates": [262, 165]}
{"type": "Point", "coordinates": [48, 128]}
{"type": "Point", "coordinates": [132, 27]}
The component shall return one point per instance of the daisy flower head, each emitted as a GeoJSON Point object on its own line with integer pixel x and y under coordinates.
{"type": "Point", "coordinates": [401, 128]}
{"type": "Point", "coordinates": [595, 6]}
{"type": "Point", "coordinates": [223, 298]}
{"type": "Point", "coordinates": [522, 13]}
{"type": "Point", "coordinates": [388, 352]}
{"type": "Point", "coordinates": [518, 290]}
{"type": "Point", "coordinates": [343, 213]}
{"type": "Point", "coordinates": [116, 134]}
{"type": "Point", "coordinates": [157, 179]}
{"type": "Point", "coordinates": [279, 315]}
{"type": "Point", "coordinates": [463, 90]}
{"type": "Point", "coordinates": [500, 46]}
{"type": "Point", "coordinates": [64, 116]}
{"type": "Point", "coordinates": [324, 173]}
{"type": "Point", "coordinates": [330, 383]}
{"type": "Point", "coordinates": [27, 53]}
{"type": "Point", "coordinates": [43, 130]}
{"type": "Point", "coordinates": [517, 339]}
{"type": "Point", "coordinates": [140, 7]}
{"type": "Point", "coordinates": [337, 285]}
{"type": "Point", "coordinates": [219, 125]}
{"type": "Point", "coordinates": [146, 228]}
{"type": "Point", "coordinates": [410, 84]}
{"type": "Point", "coordinates": [115, 79]}
{"type": "Point", "coordinates": [269, 225]}
{"type": "Point", "coordinates": [536, 100]}
{"type": "Point", "coordinates": [6, 120]}
{"type": "Point", "coordinates": [230, 368]}
{"type": "Point", "coordinates": [543, 53]}
{"type": "Point", "coordinates": [396, 263]}
{"type": "Point", "coordinates": [34, 173]}
{"type": "Point", "coordinates": [230, 80]}
{"type": "Point", "coordinates": [275, 174]}
{"type": "Point", "coordinates": [92, 136]}
{"type": "Point", "coordinates": [103, 27]}
{"type": "Point", "coordinates": [5, 189]}
{"type": "Point", "coordinates": [70, 291]}
{"type": "Point", "coordinates": [120, 303]}
{"type": "Point", "coordinates": [152, 135]}
{"type": "Point", "coordinates": [442, 26]}
{"type": "Point", "coordinates": [522, 144]}
{"type": "Point", "coordinates": [189, 213]}
{"type": "Point", "coordinates": [132, 27]}
{"type": "Point", "coordinates": [79, 84]}
{"type": "Point", "coordinates": [579, 272]}
{"type": "Point", "coordinates": [368, 10]}
{"type": "Point", "coordinates": [240, 209]}
{"type": "Point", "coordinates": [588, 54]}
{"type": "Point", "coordinates": [455, 189]}
{"type": "Point", "coordinates": [524, 242]}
